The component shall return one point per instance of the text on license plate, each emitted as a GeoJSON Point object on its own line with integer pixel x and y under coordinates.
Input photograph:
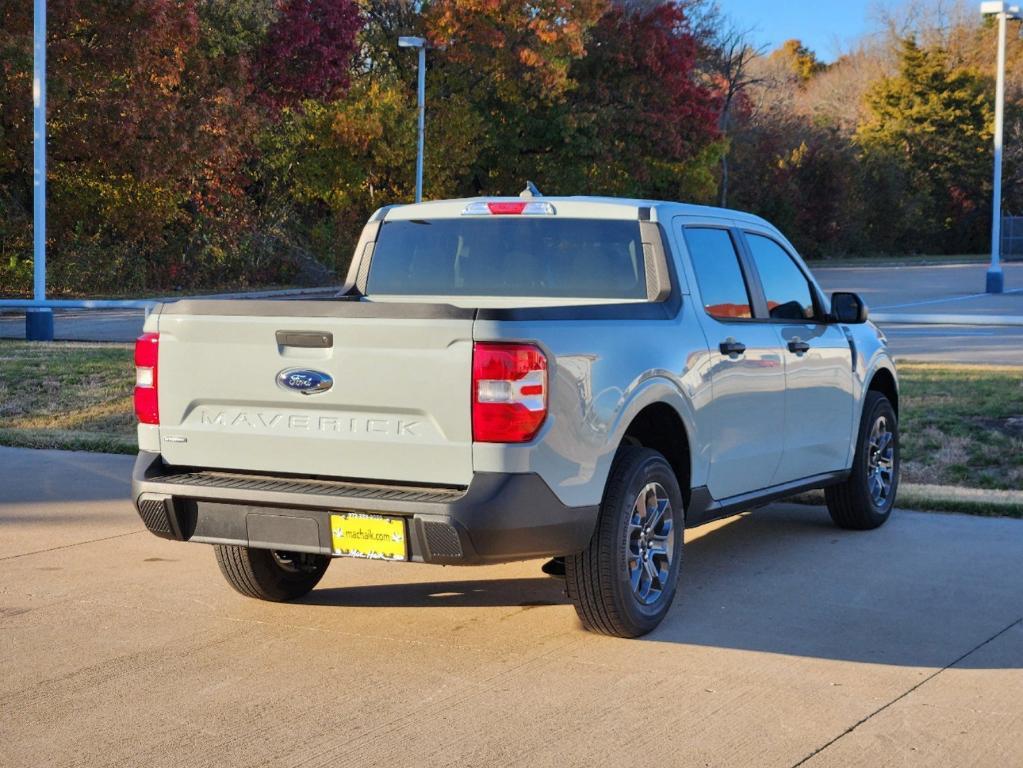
{"type": "Point", "coordinates": [357, 535]}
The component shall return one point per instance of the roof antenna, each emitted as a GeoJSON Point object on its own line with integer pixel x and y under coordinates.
{"type": "Point", "coordinates": [530, 191]}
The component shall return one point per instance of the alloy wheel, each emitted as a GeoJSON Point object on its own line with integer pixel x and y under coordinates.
{"type": "Point", "coordinates": [650, 543]}
{"type": "Point", "coordinates": [880, 462]}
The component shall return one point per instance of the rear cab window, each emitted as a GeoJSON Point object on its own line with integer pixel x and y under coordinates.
{"type": "Point", "coordinates": [509, 256]}
{"type": "Point", "coordinates": [715, 261]}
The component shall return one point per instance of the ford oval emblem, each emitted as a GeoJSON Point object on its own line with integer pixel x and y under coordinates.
{"type": "Point", "coordinates": [303, 380]}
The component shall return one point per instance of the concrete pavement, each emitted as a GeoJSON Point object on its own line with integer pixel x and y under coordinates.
{"type": "Point", "coordinates": [792, 643]}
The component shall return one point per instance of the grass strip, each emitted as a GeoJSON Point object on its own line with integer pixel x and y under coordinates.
{"type": "Point", "coordinates": [67, 395]}
{"type": "Point", "coordinates": [943, 498]}
{"type": "Point", "coordinates": [962, 425]}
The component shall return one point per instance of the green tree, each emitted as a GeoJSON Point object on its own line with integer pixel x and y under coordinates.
{"type": "Point", "coordinates": [335, 162]}
{"type": "Point", "coordinates": [926, 147]}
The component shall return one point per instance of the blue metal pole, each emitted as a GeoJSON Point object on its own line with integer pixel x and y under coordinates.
{"type": "Point", "coordinates": [995, 282]}
{"type": "Point", "coordinates": [422, 122]}
{"type": "Point", "coordinates": [39, 322]}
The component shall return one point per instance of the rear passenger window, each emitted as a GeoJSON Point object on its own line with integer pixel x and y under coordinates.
{"type": "Point", "coordinates": [785, 286]}
{"type": "Point", "coordinates": [716, 264]}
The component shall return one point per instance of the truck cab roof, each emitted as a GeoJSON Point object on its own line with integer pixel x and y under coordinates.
{"type": "Point", "coordinates": [576, 206]}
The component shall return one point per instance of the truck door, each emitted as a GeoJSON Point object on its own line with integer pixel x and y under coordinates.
{"type": "Point", "coordinates": [745, 420]}
{"type": "Point", "coordinates": [818, 364]}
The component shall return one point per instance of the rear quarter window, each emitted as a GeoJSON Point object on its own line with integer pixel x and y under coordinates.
{"type": "Point", "coordinates": [509, 256]}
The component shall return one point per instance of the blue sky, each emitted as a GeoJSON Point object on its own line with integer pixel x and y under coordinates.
{"type": "Point", "coordinates": [823, 25]}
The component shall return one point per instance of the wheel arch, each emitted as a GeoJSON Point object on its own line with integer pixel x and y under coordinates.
{"type": "Point", "coordinates": [883, 380]}
{"type": "Point", "coordinates": [657, 419]}
{"type": "Point", "coordinates": [659, 427]}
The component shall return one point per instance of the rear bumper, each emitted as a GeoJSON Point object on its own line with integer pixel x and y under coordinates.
{"type": "Point", "coordinates": [498, 518]}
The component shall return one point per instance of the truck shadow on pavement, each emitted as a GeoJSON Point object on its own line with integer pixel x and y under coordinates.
{"type": "Point", "coordinates": [922, 591]}
{"type": "Point", "coordinates": [480, 593]}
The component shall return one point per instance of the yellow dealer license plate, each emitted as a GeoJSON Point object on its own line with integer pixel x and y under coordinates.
{"type": "Point", "coordinates": [379, 538]}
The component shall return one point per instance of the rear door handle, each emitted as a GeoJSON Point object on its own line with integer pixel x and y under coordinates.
{"type": "Point", "coordinates": [798, 346]}
{"type": "Point", "coordinates": [731, 347]}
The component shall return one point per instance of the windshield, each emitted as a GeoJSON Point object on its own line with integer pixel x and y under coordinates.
{"type": "Point", "coordinates": [509, 256]}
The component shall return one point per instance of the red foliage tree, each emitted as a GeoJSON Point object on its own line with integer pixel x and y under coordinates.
{"type": "Point", "coordinates": [639, 106]}
{"type": "Point", "coordinates": [308, 51]}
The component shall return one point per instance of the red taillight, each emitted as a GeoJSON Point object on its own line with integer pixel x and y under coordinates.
{"type": "Point", "coordinates": [146, 380]}
{"type": "Point", "coordinates": [509, 392]}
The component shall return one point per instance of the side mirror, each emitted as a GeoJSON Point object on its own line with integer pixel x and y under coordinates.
{"type": "Point", "coordinates": [848, 308]}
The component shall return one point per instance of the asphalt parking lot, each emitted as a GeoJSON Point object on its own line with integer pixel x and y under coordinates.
{"type": "Point", "coordinates": [934, 288]}
{"type": "Point", "coordinates": [952, 289]}
{"type": "Point", "coordinates": [793, 643]}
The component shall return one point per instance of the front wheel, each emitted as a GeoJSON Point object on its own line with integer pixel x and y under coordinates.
{"type": "Point", "coordinates": [624, 582]}
{"type": "Point", "coordinates": [270, 574]}
{"type": "Point", "coordinates": [864, 501]}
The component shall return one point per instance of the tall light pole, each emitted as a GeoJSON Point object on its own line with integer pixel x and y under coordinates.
{"type": "Point", "coordinates": [39, 321]}
{"type": "Point", "coordinates": [1004, 12]}
{"type": "Point", "coordinates": [420, 43]}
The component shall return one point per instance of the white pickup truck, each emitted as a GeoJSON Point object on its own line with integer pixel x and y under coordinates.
{"type": "Point", "coordinates": [513, 378]}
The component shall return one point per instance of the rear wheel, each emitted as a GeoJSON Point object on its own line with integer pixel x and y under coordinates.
{"type": "Point", "coordinates": [864, 501]}
{"type": "Point", "coordinates": [270, 574]}
{"type": "Point", "coordinates": [623, 584]}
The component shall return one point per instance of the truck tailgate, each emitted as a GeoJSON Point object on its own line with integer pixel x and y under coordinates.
{"type": "Point", "coordinates": [398, 408]}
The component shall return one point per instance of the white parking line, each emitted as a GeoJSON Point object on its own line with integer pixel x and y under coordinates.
{"type": "Point", "coordinates": [892, 332]}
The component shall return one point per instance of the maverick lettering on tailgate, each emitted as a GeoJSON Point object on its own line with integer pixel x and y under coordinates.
{"type": "Point", "coordinates": [353, 425]}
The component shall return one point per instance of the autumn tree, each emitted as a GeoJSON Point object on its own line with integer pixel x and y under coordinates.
{"type": "Point", "coordinates": [308, 51]}
{"type": "Point", "coordinates": [638, 121]}
{"type": "Point", "coordinates": [801, 62]}
{"type": "Point", "coordinates": [510, 62]}
{"type": "Point", "coordinates": [118, 144]}
{"type": "Point", "coordinates": [336, 162]}
{"type": "Point", "coordinates": [728, 62]}
{"type": "Point", "coordinates": [928, 137]}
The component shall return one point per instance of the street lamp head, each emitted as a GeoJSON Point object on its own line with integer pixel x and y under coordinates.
{"type": "Point", "coordinates": [411, 42]}
{"type": "Point", "coordinates": [997, 7]}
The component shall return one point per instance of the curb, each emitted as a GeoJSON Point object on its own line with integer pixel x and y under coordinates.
{"type": "Point", "coordinates": [944, 498]}
{"type": "Point", "coordinates": [950, 498]}
{"type": "Point", "coordinates": [890, 318]}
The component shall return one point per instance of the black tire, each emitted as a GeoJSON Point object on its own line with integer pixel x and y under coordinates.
{"type": "Point", "coordinates": [598, 579]}
{"type": "Point", "coordinates": [269, 574]}
{"type": "Point", "coordinates": [852, 504]}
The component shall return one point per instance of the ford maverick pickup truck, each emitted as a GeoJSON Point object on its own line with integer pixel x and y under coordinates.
{"type": "Point", "coordinates": [514, 378]}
